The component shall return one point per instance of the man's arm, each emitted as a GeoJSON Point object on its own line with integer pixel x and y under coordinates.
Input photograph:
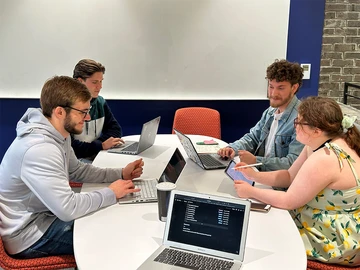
{"type": "Point", "coordinates": [250, 141]}
{"type": "Point", "coordinates": [111, 126]}
{"type": "Point", "coordinates": [86, 149]}
{"type": "Point", "coordinates": [81, 172]}
{"type": "Point", "coordinates": [44, 172]}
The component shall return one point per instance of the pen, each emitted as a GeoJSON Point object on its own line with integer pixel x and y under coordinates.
{"type": "Point", "coordinates": [247, 166]}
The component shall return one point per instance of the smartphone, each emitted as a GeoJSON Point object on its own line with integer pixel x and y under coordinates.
{"type": "Point", "coordinates": [261, 207]}
{"type": "Point", "coordinates": [236, 175]}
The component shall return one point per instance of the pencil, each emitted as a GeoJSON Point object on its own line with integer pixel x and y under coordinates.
{"type": "Point", "coordinates": [247, 166]}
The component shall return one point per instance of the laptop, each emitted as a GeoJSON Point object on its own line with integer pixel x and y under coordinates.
{"type": "Point", "coordinates": [147, 139]}
{"type": "Point", "coordinates": [202, 228]}
{"type": "Point", "coordinates": [148, 191]}
{"type": "Point", "coordinates": [207, 161]}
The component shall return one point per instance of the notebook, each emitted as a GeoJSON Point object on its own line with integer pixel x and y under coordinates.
{"type": "Point", "coordinates": [202, 228]}
{"type": "Point", "coordinates": [207, 161]}
{"type": "Point", "coordinates": [148, 191]}
{"type": "Point", "coordinates": [147, 139]}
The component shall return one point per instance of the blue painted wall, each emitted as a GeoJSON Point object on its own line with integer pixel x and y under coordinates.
{"type": "Point", "coordinates": [305, 39]}
{"type": "Point", "coordinates": [237, 116]}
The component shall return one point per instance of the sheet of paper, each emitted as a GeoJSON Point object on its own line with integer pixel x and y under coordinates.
{"type": "Point", "coordinates": [207, 148]}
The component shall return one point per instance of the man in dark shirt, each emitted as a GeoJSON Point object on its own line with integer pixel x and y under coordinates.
{"type": "Point", "coordinates": [102, 131]}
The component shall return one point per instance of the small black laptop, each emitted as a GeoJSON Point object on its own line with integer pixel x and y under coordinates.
{"type": "Point", "coordinates": [148, 191]}
{"type": "Point", "coordinates": [206, 161]}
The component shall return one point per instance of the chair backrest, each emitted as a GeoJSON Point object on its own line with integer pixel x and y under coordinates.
{"type": "Point", "coordinates": [198, 120]}
{"type": "Point", "coordinates": [51, 262]}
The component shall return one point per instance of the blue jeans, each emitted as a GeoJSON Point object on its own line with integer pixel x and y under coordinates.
{"type": "Point", "coordinates": [57, 240]}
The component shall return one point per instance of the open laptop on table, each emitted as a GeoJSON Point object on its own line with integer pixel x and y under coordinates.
{"type": "Point", "coordinates": [202, 230]}
{"type": "Point", "coordinates": [147, 139]}
{"type": "Point", "coordinates": [148, 191]}
{"type": "Point", "coordinates": [207, 161]}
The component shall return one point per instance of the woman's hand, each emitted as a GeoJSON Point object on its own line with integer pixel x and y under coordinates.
{"type": "Point", "coordinates": [243, 189]}
{"type": "Point", "coordinates": [249, 173]}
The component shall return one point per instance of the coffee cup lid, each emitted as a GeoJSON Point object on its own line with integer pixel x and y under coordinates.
{"type": "Point", "coordinates": [165, 186]}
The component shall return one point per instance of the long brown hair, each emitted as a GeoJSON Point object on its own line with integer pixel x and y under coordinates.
{"type": "Point", "coordinates": [326, 114]}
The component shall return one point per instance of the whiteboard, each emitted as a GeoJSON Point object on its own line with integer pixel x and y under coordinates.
{"type": "Point", "coordinates": [152, 49]}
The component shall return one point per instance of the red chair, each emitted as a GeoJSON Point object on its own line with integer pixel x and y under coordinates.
{"type": "Point", "coordinates": [198, 121]}
{"type": "Point", "coordinates": [51, 262]}
{"type": "Point", "coordinates": [316, 265]}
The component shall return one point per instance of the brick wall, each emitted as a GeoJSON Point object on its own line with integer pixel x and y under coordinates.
{"type": "Point", "coordinates": [340, 57]}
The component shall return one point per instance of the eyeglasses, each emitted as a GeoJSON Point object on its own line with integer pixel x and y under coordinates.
{"type": "Point", "coordinates": [296, 123]}
{"type": "Point", "coordinates": [85, 112]}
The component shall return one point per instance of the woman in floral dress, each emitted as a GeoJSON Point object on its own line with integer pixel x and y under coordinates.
{"type": "Point", "coordinates": [323, 183]}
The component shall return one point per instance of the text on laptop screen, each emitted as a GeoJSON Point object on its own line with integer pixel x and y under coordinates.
{"type": "Point", "coordinates": [173, 168]}
{"type": "Point", "coordinates": [206, 223]}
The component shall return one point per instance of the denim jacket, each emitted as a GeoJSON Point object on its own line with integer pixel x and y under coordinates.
{"type": "Point", "coordinates": [285, 149]}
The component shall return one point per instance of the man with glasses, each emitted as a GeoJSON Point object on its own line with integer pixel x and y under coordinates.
{"type": "Point", "coordinates": [102, 131]}
{"type": "Point", "coordinates": [272, 141]}
{"type": "Point", "coordinates": [37, 204]}
{"type": "Point", "coordinates": [84, 112]}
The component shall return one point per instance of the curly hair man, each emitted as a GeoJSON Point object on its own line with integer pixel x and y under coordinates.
{"type": "Point", "coordinates": [272, 141]}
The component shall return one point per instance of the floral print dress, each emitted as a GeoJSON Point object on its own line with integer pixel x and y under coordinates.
{"type": "Point", "coordinates": [330, 223]}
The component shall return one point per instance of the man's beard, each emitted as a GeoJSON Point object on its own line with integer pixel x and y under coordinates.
{"type": "Point", "coordinates": [70, 126]}
{"type": "Point", "coordinates": [279, 103]}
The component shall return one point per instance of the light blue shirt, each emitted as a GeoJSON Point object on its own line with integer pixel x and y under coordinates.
{"type": "Point", "coordinates": [285, 148]}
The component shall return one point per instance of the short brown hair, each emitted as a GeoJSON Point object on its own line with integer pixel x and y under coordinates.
{"type": "Point", "coordinates": [326, 114]}
{"type": "Point", "coordinates": [62, 91]}
{"type": "Point", "coordinates": [85, 68]}
{"type": "Point", "coordinates": [283, 70]}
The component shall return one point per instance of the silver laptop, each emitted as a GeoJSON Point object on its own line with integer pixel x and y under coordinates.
{"type": "Point", "coordinates": [206, 161]}
{"type": "Point", "coordinates": [147, 139]}
{"type": "Point", "coordinates": [148, 191]}
{"type": "Point", "coordinates": [203, 232]}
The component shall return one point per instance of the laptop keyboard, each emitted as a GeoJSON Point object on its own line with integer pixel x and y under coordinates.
{"type": "Point", "coordinates": [210, 161]}
{"type": "Point", "coordinates": [148, 188]}
{"type": "Point", "coordinates": [132, 147]}
{"type": "Point", "coordinates": [191, 260]}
